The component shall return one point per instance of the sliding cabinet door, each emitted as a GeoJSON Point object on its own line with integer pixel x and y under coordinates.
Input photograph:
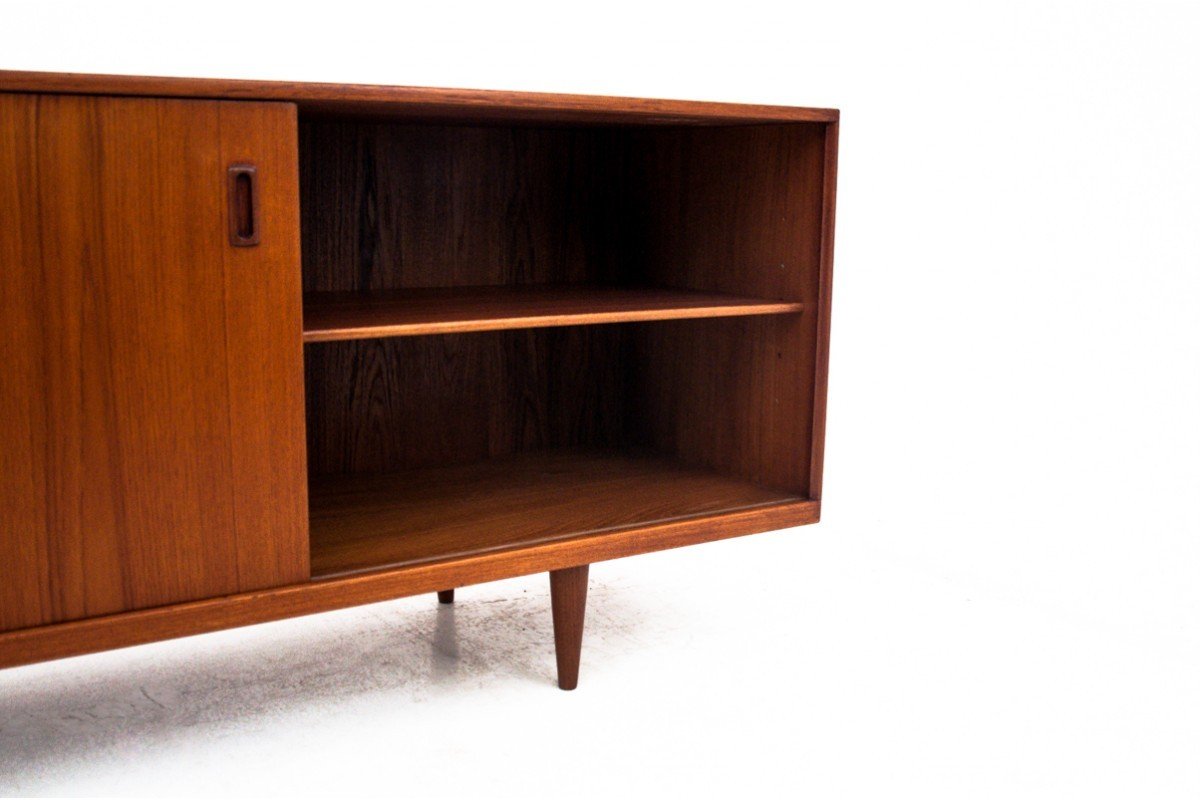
{"type": "Point", "coordinates": [151, 378]}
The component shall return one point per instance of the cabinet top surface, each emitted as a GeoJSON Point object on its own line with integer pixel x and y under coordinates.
{"type": "Point", "coordinates": [449, 105]}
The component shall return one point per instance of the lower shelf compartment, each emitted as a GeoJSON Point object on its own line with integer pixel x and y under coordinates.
{"type": "Point", "coordinates": [367, 522]}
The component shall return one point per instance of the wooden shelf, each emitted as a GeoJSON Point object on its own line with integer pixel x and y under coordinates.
{"type": "Point", "coordinates": [367, 522]}
{"type": "Point", "coordinates": [335, 316]}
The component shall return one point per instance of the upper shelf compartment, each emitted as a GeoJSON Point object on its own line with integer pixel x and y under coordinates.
{"type": "Point", "coordinates": [411, 229]}
{"type": "Point", "coordinates": [336, 316]}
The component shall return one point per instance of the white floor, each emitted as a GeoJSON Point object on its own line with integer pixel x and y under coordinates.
{"type": "Point", "coordinates": [839, 662]}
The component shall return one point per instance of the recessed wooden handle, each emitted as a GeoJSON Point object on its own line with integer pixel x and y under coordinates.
{"type": "Point", "coordinates": [243, 205]}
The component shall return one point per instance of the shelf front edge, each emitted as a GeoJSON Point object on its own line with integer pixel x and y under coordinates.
{"type": "Point", "coordinates": [31, 645]}
{"type": "Point", "coordinates": [326, 323]}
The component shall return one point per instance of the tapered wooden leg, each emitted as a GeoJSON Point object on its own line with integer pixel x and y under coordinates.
{"type": "Point", "coordinates": [568, 597]}
{"type": "Point", "coordinates": [446, 597]}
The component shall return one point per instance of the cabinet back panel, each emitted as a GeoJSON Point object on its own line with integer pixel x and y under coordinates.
{"type": "Point", "coordinates": [379, 405]}
{"type": "Point", "coordinates": [388, 206]}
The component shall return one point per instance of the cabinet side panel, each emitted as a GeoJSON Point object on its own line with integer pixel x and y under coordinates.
{"type": "Point", "coordinates": [266, 359]}
{"type": "Point", "coordinates": [823, 310]}
{"type": "Point", "coordinates": [735, 210]}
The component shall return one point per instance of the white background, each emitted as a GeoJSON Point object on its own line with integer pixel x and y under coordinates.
{"type": "Point", "coordinates": [1003, 597]}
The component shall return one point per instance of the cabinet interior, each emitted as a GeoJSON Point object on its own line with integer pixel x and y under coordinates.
{"type": "Point", "coordinates": [518, 333]}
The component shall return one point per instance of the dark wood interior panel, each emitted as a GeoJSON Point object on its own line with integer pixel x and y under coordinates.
{"type": "Point", "coordinates": [389, 206]}
{"type": "Point", "coordinates": [380, 405]}
{"type": "Point", "coordinates": [728, 209]}
{"type": "Point", "coordinates": [730, 394]}
{"type": "Point", "coordinates": [719, 210]}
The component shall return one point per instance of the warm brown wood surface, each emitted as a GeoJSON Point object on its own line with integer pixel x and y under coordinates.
{"type": "Point", "coordinates": [121, 630]}
{"type": "Point", "coordinates": [824, 309]}
{"type": "Point", "coordinates": [729, 210]}
{"type": "Point", "coordinates": [335, 316]}
{"type": "Point", "coordinates": [362, 522]}
{"type": "Point", "coordinates": [568, 602]}
{"type": "Point", "coordinates": [150, 405]}
{"type": "Point", "coordinates": [263, 309]}
{"type": "Point", "coordinates": [152, 481]}
{"type": "Point", "coordinates": [464, 105]}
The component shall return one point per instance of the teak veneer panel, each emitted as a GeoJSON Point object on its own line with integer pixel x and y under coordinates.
{"type": "Point", "coordinates": [362, 522]}
{"type": "Point", "coordinates": [150, 408]}
{"type": "Point", "coordinates": [335, 316]}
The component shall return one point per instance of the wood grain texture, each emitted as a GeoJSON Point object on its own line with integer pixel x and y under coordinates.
{"type": "Point", "coordinates": [568, 603]}
{"type": "Point", "coordinates": [383, 405]}
{"type": "Point", "coordinates": [126, 341]}
{"type": "Point", "coordinates": [461, 105]}
{"type": "Point", "coordinates": [138, 627]}
{"type": "Point", "coordinates": [340, 316]}
{"type": "Point", "coordinates": [363, 522]}
{"type": "Point", "coordinates": [391, 206]}
{"type": "Point", "coordinates": [741, 210]}
{"type": "Point", "coordinates": [263, 320]}
{"type": "Point", "coordinates": [824, 309]}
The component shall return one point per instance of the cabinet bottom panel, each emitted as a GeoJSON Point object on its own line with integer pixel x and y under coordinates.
{"type": "Point", "coordinates": [365, 522]}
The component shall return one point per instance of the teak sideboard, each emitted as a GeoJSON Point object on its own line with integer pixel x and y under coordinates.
{"type": "Point", "coordinates": [270, 349]}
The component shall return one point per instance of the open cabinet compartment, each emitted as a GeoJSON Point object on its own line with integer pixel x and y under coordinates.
{"type": "Point", "coordinates": [462, 394]}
